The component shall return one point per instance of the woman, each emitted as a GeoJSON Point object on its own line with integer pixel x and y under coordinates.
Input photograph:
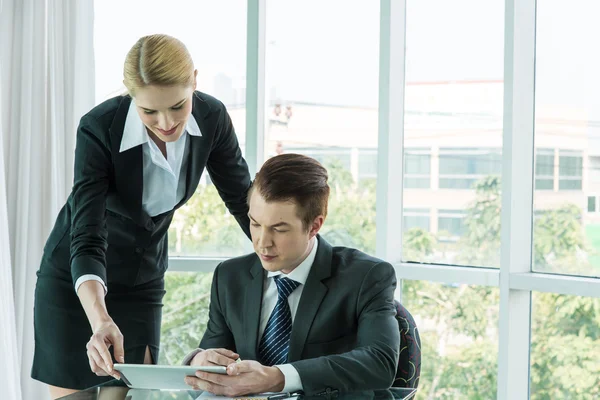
{"type": "Point", "coordinates": [138, 158]}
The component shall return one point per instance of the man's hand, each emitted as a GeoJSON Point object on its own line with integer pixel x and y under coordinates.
{"type": "Point", "coordinates": [212, 357]}
{"type": "Point", "coordinates": [246, 377]}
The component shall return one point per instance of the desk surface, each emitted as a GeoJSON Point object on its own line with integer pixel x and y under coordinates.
{"type": "Point", "coordinates": [115, 391]}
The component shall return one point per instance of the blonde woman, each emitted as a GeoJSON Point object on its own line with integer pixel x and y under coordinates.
{"type": "Point", "coordinates": [138, 158]}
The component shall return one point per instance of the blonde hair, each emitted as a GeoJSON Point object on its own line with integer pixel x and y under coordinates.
{"type": "Point", "coordinates": [157, 60]}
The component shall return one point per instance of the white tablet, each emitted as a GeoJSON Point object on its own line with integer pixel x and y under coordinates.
{"type": "Point", "coordinates": [168, 377]}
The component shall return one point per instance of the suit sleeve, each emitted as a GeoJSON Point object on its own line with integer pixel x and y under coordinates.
{"type": "Point", "coordinates": [372, 365]}
{"type": "Point", "coordinates": [93, 167]}
{"type": "Point", "coordinates": [229, 171]}
{"type": "Point", "coordinates": [217, 334]}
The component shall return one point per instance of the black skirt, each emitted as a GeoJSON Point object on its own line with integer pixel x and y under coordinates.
{"type": "Point", "coordinates": [62, 329]}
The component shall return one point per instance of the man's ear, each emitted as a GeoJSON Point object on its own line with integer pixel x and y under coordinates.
{"type": "Point", "coordinates": [316, 225]}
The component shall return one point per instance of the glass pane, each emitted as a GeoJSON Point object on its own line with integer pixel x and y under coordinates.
{"type": "Point", "coordinates": [458, 325]}
{"type": "Point", "coordinates": [544, 184]}
{"type": "Point", "coordinates": [566, 114]}
{"type": "Point", "coordinates": [591, 204]}
{"type": "Point", "coordinates": [316, 106]}
{"type": "Point", "coordinates": [565, 347]}
{"type": "Point", "coordinates": [184, 315]}
{"type": "Point", "coordinates": [453, 130]}
{"type": "Point", "coordinates": [544, 169]}
{"type": "Point", "coordinates": [203, 227]}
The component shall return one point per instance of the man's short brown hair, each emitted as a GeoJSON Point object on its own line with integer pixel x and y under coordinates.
{"type": "Point", "coordinates": [298, 178]}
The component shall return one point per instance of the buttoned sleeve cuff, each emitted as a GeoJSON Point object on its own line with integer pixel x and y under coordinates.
{"type": "Point", "coordinates": [89, 277]}
{"type": "Point", "coordinates": [190, 356]}
{"type": "Point", "coordinates": [293, 383]}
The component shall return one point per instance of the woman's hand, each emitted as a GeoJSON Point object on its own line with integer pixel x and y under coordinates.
{"type": "Point", "coordinates": [106, 334]}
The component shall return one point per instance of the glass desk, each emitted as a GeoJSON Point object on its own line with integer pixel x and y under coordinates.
{"type": "Point", "coordinates": [115, 390]}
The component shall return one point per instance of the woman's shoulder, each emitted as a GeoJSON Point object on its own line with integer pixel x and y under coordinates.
{"type": "Point", "coordinates": [105, 112]}
{"type": "Point", "coordinates": [208, 101]}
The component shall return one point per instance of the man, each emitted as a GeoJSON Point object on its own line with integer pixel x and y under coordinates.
{"type": "Point", "coordinates": [303, 315]}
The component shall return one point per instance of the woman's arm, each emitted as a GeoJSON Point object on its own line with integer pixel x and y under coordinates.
{"type": "Point", "coordinates": [93, 166]}
{"type": "Point", "coordinates": [229, 171]}
{"type": "Point", "coordinates": [89, 234]}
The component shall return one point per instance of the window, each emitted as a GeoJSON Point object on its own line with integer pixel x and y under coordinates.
{"type": "Point", "coordinates": [565, 119]}
{"type": "Point", "coordinates": [570, 170]}
{"type": "Point", "coordinates": [450, 222]}
{"type": "Point", "coordinates": [367, 164]}
{"type": "Point", "coordinates": [594, 168]}
{"type": "Point", "coordinates": [416, 218]}
{"type": "Point", "coordinates": [461, 168]}
{"type": "Point", "coordinates": [184, 315]}
{"type": "Point", "coordinates": [315, 105]}
{"type": "Point", "coordinates": [544, 169]}
{"type": "Point", "coordinates": [591, 204]}
{"type": "Point", "coordinates": [565, 347]}
{"type": "Point", "coordinates": [417, 168]}
{"type": "Point", "coordinates": [453, 111]}
{"type": "Point", "coordinates": [458, 325]}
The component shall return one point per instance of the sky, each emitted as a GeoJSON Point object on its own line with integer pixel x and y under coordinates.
{"type": "Point", "coordinates": [326, 51]}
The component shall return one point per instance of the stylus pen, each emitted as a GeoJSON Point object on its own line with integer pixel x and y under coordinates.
{"type": "Point", "coordinates": [285, 395]}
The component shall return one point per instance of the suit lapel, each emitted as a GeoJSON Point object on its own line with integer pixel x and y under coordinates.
{"type": "Point", "coordinates": [128, 167]}
{"type": "Point", "coordinates": [254, 291]}
{"type": "Point", "coordinates": [312, 295]}
{"type": "Point", "coordinates": [200, 109]}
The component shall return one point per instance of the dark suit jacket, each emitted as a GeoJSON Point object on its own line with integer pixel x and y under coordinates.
{"type": "Point", "coordinates": [344, 336]}
{"type": "Point", "coordinates": [103, 229]}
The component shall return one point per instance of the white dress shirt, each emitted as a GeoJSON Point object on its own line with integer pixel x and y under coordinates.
{"type": "Point", "coordinates": [270, 294]}
{"type": "Point", "coordinates": [164, 179]}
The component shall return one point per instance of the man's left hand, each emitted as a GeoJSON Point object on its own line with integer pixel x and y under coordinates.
{"type": "Point", "coordinates": [245, 377]}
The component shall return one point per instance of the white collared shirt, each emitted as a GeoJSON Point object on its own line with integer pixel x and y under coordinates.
{"type": "Point", "coordinates": [163, 179]}
{"type": "Point", "coordinates": [270, 294]}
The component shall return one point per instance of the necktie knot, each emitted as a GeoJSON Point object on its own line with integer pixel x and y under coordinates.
{"type": "Point", "coordinates": [285, 286]}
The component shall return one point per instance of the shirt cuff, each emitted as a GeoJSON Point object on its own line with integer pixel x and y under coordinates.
{"type": "Point", "coordinates": [293, 383]}
{"type": "Point", "coordinates": [188, 358]}
{"type": "Point", "coordinates": [89, 277]}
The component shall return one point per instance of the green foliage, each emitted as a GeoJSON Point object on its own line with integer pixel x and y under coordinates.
{"type": "Point", "coordinates": [458, 323]}
{"type": "Point", "coordinates": [418, 244]}
{"type": "Point", "coordinates": [481, 243]}
{"type": "Point", "coordinates": [185, 314]}
{"type": "Point", "coordinates": [204, 226]}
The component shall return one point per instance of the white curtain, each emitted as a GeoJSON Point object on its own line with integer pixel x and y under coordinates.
{"type": "Point", "coordinates": [47, 84]}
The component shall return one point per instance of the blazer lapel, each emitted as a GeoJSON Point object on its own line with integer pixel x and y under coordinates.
{"type": "Point", "coordinates": [128, 167]}
{"type": "Point", "coordinates": [254, 292]}
{"type": "Point", "coordinates": [200, 109]}
{"type": "Point", "coordinates": [312, 296]}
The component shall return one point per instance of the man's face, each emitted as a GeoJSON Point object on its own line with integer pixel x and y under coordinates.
{"type": "Point", "coordinates": [279, 238]}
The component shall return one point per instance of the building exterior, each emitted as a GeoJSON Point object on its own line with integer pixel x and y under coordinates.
{"type": "Point", "coordinates": [453, 138]}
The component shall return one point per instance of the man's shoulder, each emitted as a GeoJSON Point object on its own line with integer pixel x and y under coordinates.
{"type": "Point", "coordinates": [349, 255]}
{"type": "Point", "coordinates": [356, 261]}
{"type": "Point", "coordinates": [237, 264]}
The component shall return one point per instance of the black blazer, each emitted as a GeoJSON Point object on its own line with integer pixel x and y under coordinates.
{"type": "Point", "coordinates": [345, 336]}
{"type": "Point", "coordinates": [102, 229]}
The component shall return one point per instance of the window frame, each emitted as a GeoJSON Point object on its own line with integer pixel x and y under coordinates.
{"type": "Point", "coordinates": [515, 277]}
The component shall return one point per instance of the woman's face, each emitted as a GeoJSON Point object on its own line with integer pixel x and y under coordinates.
{"type": "Point", "coordinates": [165, 109]}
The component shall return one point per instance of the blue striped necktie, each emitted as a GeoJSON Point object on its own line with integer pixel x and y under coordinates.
{"type": "Point", "coordinates": [275, 342]}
